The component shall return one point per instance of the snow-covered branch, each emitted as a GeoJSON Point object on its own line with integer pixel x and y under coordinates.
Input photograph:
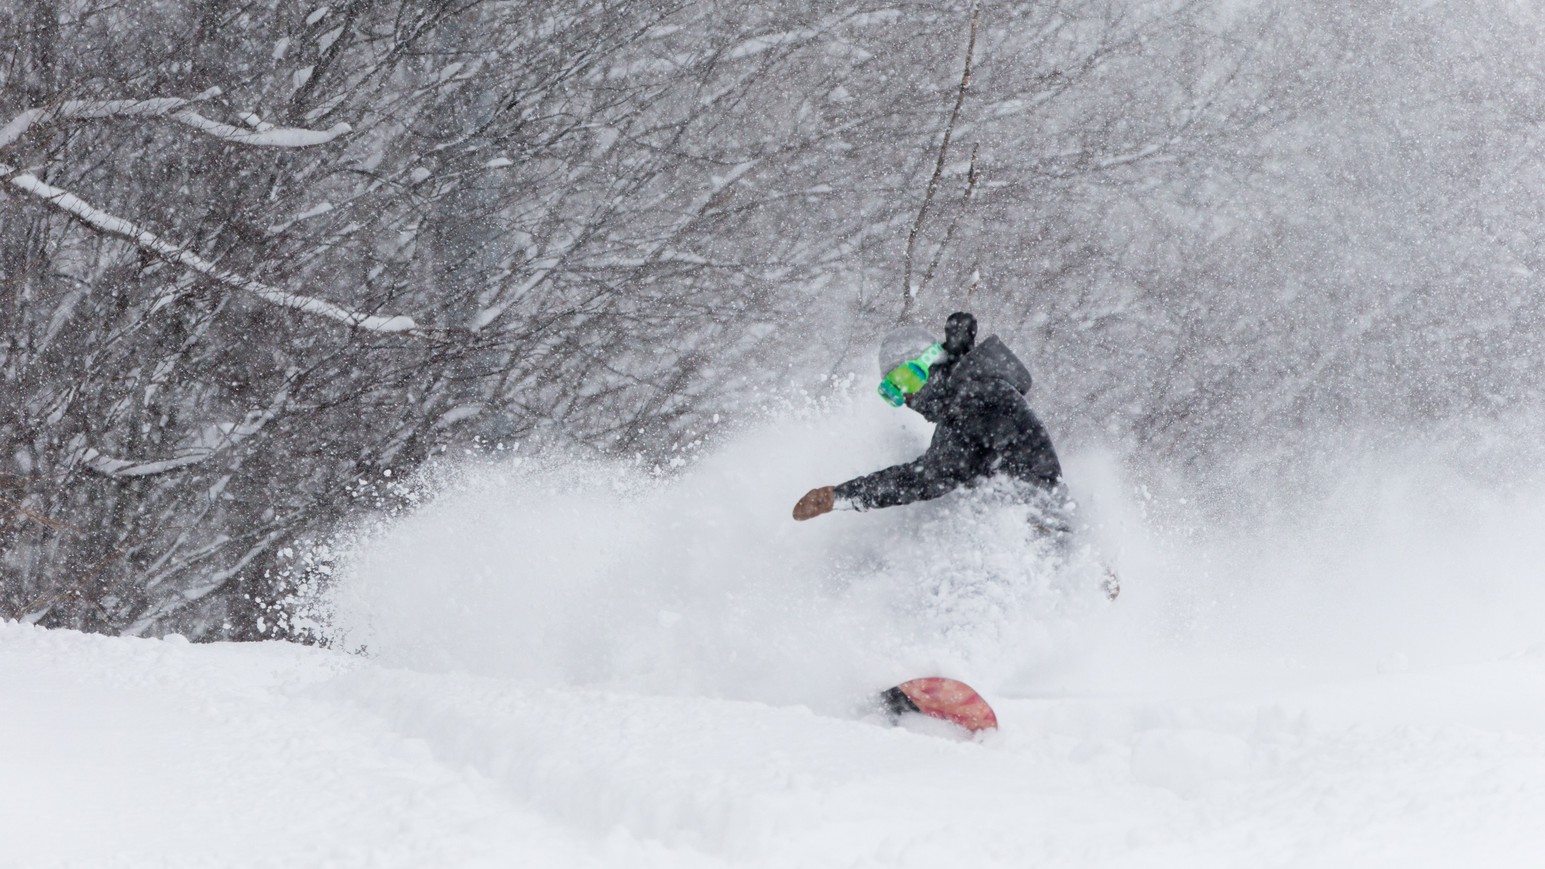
{"type": "Point", "coordinates": [171, 108]}
{"type": "Point", "coordinates": [176, 109]}
{"type": "Point", "coordinates": [180, 255]}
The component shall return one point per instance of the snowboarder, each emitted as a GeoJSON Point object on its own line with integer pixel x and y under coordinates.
{"type": "Point", "coordinates": [984, 430]}
{"type": "Point", "coordinates": [975, 394]}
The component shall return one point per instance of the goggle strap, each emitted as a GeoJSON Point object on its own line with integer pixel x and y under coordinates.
{"type": "Point", "coordinates": [930, 356]}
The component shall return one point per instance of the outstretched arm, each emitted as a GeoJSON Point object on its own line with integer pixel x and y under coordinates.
{"type": "Point", "coordinates": [940, 470]}
{"type": "Point", "coordinates": [948, 464]}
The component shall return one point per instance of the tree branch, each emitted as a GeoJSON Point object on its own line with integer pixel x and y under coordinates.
{"type": "Point", "coordinates": [965, 201]}
{"type": "Point", "coordinates": [909, 292]}
{"type": "Point", "coordinates": [175, 109]}
{"type": "Point", "coordinates": [178, 254]}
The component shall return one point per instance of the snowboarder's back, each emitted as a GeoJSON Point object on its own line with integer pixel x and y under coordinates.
{"type": "Point", "coordinates": [975, 394]}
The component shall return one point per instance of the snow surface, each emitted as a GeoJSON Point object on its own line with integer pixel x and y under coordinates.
{"type": "Point", "coordinates": [581, 664]}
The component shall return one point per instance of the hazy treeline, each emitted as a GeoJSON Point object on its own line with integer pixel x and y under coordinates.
{"type": "Point", "coordinates": [380, 229]}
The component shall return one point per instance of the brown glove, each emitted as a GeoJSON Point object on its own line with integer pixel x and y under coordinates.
{"type": "Point", "coordinates": [815, 502]}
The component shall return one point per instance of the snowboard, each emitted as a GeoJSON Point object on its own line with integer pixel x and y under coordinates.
{"type": "Point", "coordinates": [945, 699]}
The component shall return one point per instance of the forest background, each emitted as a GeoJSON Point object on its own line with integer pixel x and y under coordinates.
{"type": "Point", "coordinates": [261, 261]}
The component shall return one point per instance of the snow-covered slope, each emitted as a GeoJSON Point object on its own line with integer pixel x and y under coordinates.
{"type": "Point", "coordinates": [576, 665]}
{"type": "Point", "coordinates": [142, 753]}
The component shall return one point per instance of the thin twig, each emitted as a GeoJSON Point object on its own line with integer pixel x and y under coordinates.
{"type": "Point", "coordinates": [965, 201]}
{"type": "Point", "coordinates": [909, 292]}
{"type": "Point", "coordinates": [18, 510]}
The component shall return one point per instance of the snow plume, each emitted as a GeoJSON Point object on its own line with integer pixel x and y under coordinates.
{"type": "Point", "coordinates": [1376, 553]}
{"type": "Point", "coordinates": [697, 582]}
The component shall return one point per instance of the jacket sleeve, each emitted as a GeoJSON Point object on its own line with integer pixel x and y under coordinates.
{"type": "Point", "coordinates": [949, 463]}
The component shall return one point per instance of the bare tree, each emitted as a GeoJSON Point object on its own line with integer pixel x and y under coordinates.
{"type": "Point", "coordinates": [517, 221]}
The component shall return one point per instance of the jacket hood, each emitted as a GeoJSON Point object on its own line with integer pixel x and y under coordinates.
{"type": "Point", "coordinates": [992, 358]}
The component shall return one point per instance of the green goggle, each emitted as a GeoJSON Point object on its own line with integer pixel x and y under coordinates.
{"type": "Point", "coordinates": [908, 377]}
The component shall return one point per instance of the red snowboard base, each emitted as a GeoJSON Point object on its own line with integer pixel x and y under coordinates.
{"type": "Point", "coordinates": [946, 699]}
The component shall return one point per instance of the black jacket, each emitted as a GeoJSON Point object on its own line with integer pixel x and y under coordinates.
{"type": "Point", "coordinates": [984, 428]}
